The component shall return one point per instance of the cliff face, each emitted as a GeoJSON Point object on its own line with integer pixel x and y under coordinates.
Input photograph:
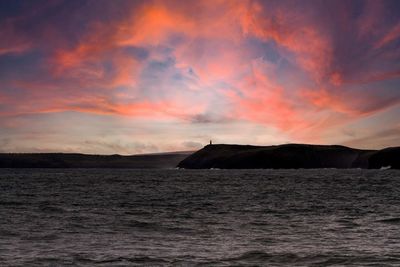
{"type": "Point", "coordinates": [291, 156]}
{"type": "Point", "coordinates": [385, 157]}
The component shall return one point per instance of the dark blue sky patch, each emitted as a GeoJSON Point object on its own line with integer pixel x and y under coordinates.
{"type": "Point", "coordinates": [139, 53]}
{"type": "Point", "coordinates": [21, 66]}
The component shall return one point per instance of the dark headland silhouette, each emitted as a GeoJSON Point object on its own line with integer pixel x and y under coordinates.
{"type": "Point", "coordinates": [290, 156]}
{"type": "Point", "coordinates": [222, 156]}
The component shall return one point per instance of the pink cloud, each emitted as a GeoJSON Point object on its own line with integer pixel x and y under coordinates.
{"type": "Point", "coordinates": [393, 34]}
{"type": "Point", "coordinates": [338, 101]}
{"type": "Point", "coordinates": [294, 31]}
{"type": "Point", "coordinates": [199, 64]}
{"type": "Point", "coordinates": [12, 43]}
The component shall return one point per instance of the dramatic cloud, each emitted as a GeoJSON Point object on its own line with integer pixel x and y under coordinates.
{"type": "Point", "coordinates": [288, 71]}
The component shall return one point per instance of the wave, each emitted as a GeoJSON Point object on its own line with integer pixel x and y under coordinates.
{"type": "Point", "coordinates": [262, 258]}
{"type": "Point", "coordinates": [11, 203]}
{"type": "Point", "coordinates": [390, 220]}
{"type": "Point", "coordinates": [51, 209]}
{"type": "Point", "coordinates": [142, 224]}
{"type": "Point", "coordinates": [114, 260]}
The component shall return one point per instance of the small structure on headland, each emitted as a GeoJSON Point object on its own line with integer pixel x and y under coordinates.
{"type": "Point", "coordinates": [210, 142]}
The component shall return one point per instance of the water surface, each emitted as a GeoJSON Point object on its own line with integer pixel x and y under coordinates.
{"type": "Point", "coordinates": [86, 217]}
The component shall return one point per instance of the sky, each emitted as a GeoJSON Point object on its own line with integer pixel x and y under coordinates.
{"type": "Point", "coordinates": [129, 77]}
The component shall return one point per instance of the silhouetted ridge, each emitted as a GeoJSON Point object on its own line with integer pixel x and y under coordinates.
{"type": "Point", "coordinates": [71, 160]}
{"type": "Point", "coordinates": [289, 156]}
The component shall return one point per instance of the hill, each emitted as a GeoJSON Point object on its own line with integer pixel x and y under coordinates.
{"type": "Point", "coordinates": [71, 160]}
{"type": "Point", "coordinates": [289, 156]}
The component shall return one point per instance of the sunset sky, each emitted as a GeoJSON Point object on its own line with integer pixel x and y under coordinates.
{"type": "Point", "coordinates": [148, 76]}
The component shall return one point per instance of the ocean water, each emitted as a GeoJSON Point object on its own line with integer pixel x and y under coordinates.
{"type": "Point", "coordinates": [86, 217]}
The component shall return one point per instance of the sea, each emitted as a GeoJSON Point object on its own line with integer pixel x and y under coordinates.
{"type": "Point", "coordinates": [128, 217]}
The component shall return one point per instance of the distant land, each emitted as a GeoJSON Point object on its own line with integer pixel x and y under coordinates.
{"type": "Point", "coordinates": [221, 156]}
{"type": "Point", "coordinates": [290, 156]}
{"type": "Point", "coordinates": [74, 160]}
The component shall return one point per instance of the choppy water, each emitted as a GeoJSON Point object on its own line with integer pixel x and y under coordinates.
{"type": "Point", "coordinates": [203, 217]}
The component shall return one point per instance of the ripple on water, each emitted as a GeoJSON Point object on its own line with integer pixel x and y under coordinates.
{"type": "Point", "coordinates": [199, 217]}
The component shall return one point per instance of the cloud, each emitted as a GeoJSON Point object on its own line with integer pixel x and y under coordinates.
{"type": "Point", "coordinates": [384, 138]}
{"type": "Point", "coordinates": [296, 69]}
{"type": "Point", "coordinates": [4, 142]}
{"type": "Point", "coordinates": [392, 35]}
{"type": "Point", "coordinates": [265, 101]}
{"type": "Point", "coordinates": [295, 31]}
{"type": "Point", "coordinates": [208, 118]}
{"type": "Point", "coordinates": [109, 147]}
{"type": "Point", "coordinates": [192, 145]}
{"type": "Point", "coordinates": [360, 105]}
